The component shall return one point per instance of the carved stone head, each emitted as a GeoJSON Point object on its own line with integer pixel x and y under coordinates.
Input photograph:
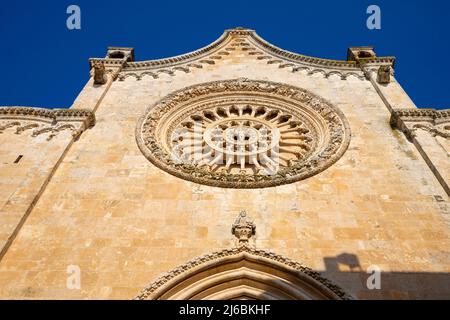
{"type": "Point", "coordinates": [99, 73]}
{"type": "Point", "coordinates": [384, 74]}
{"type": "Point", "coordinates": [243, 228]}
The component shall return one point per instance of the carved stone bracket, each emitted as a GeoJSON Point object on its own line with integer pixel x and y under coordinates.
{"type": "Point", "coordinates": [45, 121]}
{"type": "Point", "coordinates": [436, 122]}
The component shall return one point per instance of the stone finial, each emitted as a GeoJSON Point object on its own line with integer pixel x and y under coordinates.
{"type": "Point", "coordinates": [99, 73]}
{"type": "Point", "coordinates": [384, 74]}
{"type": "Point", "coordinates": [243, 228]}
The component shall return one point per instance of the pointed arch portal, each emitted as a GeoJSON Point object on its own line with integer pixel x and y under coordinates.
{"type": "Point", "coordinates": [242, 273]}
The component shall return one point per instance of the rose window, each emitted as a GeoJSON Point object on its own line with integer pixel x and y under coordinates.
{"type": "Point", "coordinates": [243, 134]}
{"type": "Point", "coordinates": [242, 138]}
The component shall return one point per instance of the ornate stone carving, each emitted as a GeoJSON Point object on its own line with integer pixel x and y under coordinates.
{"type": "Point", "coordinates": [8, 124]}
{"type": "Point", "coordinates": [441, 131]}
{"type": "Point", "coordinates": [323, 286]}
{"type": "Point", "coordinates": [243, 228]}
{"type": "Point", "coordinates": [99, 73]}
{"type": "Point", "coordinates": [45, 121]}
{"type": "Point", "coordinates": [384, 74]}
{"type": "Point", "coordinates": [313, 134]}
{"type": "Point", "coordinates": [248, 41]}
{"type": "Point", "coordinates": [436, 122]}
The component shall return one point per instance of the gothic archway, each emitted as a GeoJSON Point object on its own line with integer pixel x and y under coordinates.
{"type": "Point", "coordinates": [242, 273]}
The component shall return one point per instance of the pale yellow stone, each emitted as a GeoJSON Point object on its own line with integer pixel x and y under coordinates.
{"type": "Point", "coordinates": [125, 222]}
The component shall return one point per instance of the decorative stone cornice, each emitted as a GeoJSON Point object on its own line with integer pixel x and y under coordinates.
{"type": "Point", "coordinates": [51, 121]}
{"type": "Point", "coordinates": [422, 114]}
{"type": "Point", "coordinates": [378, 61]}
{"type": "Point", "coordinates": [436, 122]}
{"type": "Point", "coordinates": [243, 252]}
{"type": "Point", "coordinates": [193, 56]}
{"type": "Point", "coordinates": [299, 58]}
{"type": "Point", "coordinates": [246, 40]}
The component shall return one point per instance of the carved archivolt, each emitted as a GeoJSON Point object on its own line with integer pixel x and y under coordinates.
{"type": "Point", "coordinates": [242, 273]}
{"type": "Point", "coordinates": [40, 121]}
{"type": "Point", "coordinates": [243, 134]}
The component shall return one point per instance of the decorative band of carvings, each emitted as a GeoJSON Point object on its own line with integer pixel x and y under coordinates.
{"type": "Point", "coordinates": [229, 253]}
{"type": "Point", "coordinates": [436, 122]}
{"type": "Point", "coordinates": [421, 114]}
{"type": "Point", "coordinates": [307, 64]}
{"type": "Point", "coordinates": [247, 40]}
{"type": "Point", "coordinates": [181, 59]}
{"type": "Point", "coordinates": [45, 121]}
{"type": "Point", "coordinates": [378, 60]}
{"type": "Point", "coordinates": [270, 48]}
{"type": "Point", "coordinates": [107, 62]}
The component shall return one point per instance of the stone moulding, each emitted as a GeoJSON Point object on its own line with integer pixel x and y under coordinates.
{"type": "Point", "coordinates": [248, 41]}
{"type": "Point", "coordinates": [436, 122]}
{"type": "Point", "coordinates": [294, 280]}
{"type": "Point", "coordinates": [329, 130]}
{"type": "Point", "coordinates": [51, 121]}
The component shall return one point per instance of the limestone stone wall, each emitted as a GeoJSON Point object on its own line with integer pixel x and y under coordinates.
{"type": "Point", "coordinates": [26, 165]}
{"type": "Point", "coordinates": [125, 222]}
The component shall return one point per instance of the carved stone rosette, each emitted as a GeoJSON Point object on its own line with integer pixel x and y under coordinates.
{"type": "Point", "coordinates": [39, 121]}
{"type": "Point", "coordinates": [227, 121]}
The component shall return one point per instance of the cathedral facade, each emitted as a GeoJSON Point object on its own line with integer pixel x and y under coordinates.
{"type": "Point", "coordinates": [237, 171]}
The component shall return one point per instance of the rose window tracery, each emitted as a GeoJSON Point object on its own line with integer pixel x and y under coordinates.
{"type": "Point", "coordinates": [242, 134]}
{"type": "Point", "coordinates": [243, 138]}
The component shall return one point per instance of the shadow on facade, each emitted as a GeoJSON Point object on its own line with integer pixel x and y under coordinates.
{"type": "Point", "coordinates": [346, 271]}
{"type": "Point", "coordinates": [247, 273]}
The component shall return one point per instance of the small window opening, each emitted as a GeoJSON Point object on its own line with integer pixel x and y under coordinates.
{"type": "Point", "coordinates": [18, 159]}
{"type": "Point", "coordinates": [364, 54]}
{"type": "Point", "coordinates": [116, 55]}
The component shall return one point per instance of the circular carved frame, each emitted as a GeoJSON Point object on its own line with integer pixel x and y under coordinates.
{"type": "Point", "coordinates": [329, 131]}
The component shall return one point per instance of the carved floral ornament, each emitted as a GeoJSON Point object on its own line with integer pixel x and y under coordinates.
{"type": "Point", "coordinates": [243, 134]}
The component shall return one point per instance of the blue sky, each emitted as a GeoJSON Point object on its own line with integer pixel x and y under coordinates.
{"type": "Point", "coordinates": [45, 64]}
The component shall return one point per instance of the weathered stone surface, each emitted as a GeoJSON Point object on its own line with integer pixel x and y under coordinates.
{"type": "Point", "coordinates": [102, 206]}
